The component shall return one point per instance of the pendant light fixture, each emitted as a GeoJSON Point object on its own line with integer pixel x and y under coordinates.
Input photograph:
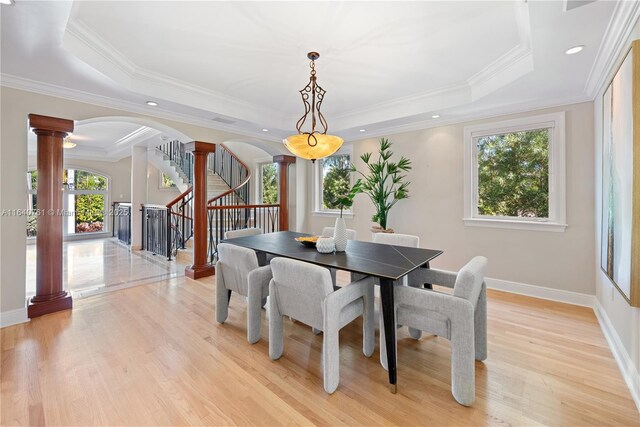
{"type": "Point", "coordinates": [315, 144]}
{"type": "Point", "coordinates": [68, 143]}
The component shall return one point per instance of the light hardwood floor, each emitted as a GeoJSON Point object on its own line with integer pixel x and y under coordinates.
{"type": "Point", "coordinates": [154, 355]}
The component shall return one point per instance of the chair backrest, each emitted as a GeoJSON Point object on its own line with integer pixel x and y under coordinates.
{"type": "Point", "coordinates": [328, 232]}
{"type": "Point", "coordinates": [397, 239]}
{"type": "Point", "coordinates": [234, 264]}
{"type": "Point", "coordinates": [242, 232]}
{"type": "Point", "coordinates": [469, 280]}
{"type": "Point", "coordinates": [300, 289]}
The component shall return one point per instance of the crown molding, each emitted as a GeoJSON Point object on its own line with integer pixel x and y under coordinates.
{"type": "Point", "coordinates": [141, 134]}
{"type": "Point", "coordinates": [48, 89]}
{"type": "Point", "coordinates": [473, 115]}
{"type": "Point", "coordinates": [99, 100]}
{"type": "Point", "coordinates": [91, 48]}
{"type": "Point", "coordinates": [514, 64]}
{"type": "Point", "coordinates": [625, 16]}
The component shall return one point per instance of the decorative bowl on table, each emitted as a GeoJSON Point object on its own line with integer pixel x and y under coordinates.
{"type": "Point", "coordinates": [309, 241]}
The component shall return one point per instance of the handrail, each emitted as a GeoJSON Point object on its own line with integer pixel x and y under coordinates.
{"type": "Point", "coordinates": [175, 152]}
{"type": "Point", "coordinates": [218, 169]}
{"type": "Point", "coordinates": [223, 218]}
{"type": "Point", "coordinates": [180, 197]}
{"type": "Point", "coordinates": [215, 208]}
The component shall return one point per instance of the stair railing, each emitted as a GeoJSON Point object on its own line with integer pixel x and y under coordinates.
{"type": "Point", "coordinates": [234, 217]}
{"type": "Point", "coordinates": [181, 159]}
{"type": "Point", "coordinates": [170, 227]}
{"type": "Point", "coordinates": [234, 172]}
{"type": "Point", "coordinates": [180, 220]}
{"type": "Point", "coordinates": [121, 217]}
{"type": "Point", "coordinates": [176, 220]}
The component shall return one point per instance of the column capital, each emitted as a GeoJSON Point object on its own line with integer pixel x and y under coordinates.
{"type": "Point", "coordinates": [50, 124]}
{"type": "Point", "coordinates": [200, 147]}
{"type": "Point", "coordinates": [284, 159]}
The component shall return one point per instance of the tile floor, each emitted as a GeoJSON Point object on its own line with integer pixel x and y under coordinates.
{"type": "Point", "coordinates": [99, 265]}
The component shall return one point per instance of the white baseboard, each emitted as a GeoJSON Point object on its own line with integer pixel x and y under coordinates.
{"type": "Point", "coordinates": [13, 317]}
{"type": "Point", "coordinates": [627, 368]}
{"type": "Point", "coordinates": [568, 297]}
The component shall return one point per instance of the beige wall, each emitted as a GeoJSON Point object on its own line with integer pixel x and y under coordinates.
{"type": "Point", "coordinates": [624, 318]}
{"type": "Point", "coordinates": [156, 195]}
{"type": "Point", "coordinates": [434, 210]}
{"type": "Point", "coordinates": [15, 106]}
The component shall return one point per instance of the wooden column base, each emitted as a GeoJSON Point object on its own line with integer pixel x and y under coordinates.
{"type": "Point", "coordinates": [40, 308]}
{"type": "Point", "coordinates": [199, 271]}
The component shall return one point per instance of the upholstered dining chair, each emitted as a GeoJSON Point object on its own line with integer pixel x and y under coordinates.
{"type": "Point", "coordinates": [242, 232]}
{"type": "Point", "coordinates": [328, 232]}
{"type": "Point", "coordinates": [263, 258]}
{"type": "Point", "coordinates": [460, 317]}
{"type": "Point", "coordinates": [237, 270]}
{"type": "Point", "coordinates": [305, 292]}
{"type": "Point", "coordinates": [398, 239]}
{"type": "Point", "coordinates": [351, 235]}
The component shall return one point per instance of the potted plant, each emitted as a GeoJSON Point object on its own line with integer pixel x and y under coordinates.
{"type": "Point", "coordinates": [384, 182]}
{"type": "Point", "coordinates": [344, 201]}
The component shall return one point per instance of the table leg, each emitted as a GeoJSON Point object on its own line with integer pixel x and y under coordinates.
{"type": "Point", "coordinates": [388, 316]}
{"type": "Point", "coordinates": [427, 285]}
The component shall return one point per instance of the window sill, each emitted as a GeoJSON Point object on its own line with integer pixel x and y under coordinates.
{"type": "Point", "coordinates": [345, 215]}
{"type": "Point", "coordinates": [515, 225]}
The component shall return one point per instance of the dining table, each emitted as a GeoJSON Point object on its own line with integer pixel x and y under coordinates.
{"type": "Point", "coordinates": [386, 263]}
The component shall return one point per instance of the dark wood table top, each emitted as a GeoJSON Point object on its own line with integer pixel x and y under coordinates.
{"type": "Point", "coordinates": [373, 259]}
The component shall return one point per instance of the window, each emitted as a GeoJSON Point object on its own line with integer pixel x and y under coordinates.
{"type": "Point", "coordinates": [268, 193]}
{"type": "Point", "coordinates": [332, 178]}
{"type": "Point", "coordinates": [514, 174]}
{"type": "Point", "coordinates": [166, 182]}
{"type": "Point", "coordinates": [84, 202]}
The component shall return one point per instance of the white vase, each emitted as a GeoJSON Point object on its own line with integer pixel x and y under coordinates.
{"type": "Point", "coordinates": [340, 235]}
{"type": "Point", "coordinates": [325, 245]}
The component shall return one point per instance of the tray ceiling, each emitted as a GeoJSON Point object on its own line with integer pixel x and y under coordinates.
{"type": "Point", "coordinates": [384, 64]}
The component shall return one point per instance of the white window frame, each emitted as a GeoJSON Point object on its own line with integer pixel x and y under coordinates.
{"type": "Point", "coordinates": [317, 186]}
{"type": "Point", "coordinates": [555, 122]}
{"type": "Point", "coordinates": [258, 173]}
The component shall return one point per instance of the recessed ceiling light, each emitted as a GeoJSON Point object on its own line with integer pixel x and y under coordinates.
{"type": "Point", "coordinates": [265, 130]}
{"type": "Point", "coordinates": [362, 130]}
{"type": "Point", "coordinates": [9, 2]}
{"type": "Point", "coordinates": [574, 50]}
{"type": "Point", "coordinates": [435, 116]}
{"type": "Point", "coordinates": [152, 103]}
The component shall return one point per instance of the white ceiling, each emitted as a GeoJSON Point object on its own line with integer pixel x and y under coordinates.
{"type": "Point", "coordinates": [110, 139]}
{"type": "Point", "coordinates": [386, 66]}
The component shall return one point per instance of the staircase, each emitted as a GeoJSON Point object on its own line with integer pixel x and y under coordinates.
{"type": "Point", "coordinates": [166, 229]}
{"type": "Point", "coordinates": [215, 185]}
{"type": "Point", "coordinates": [172, 159]}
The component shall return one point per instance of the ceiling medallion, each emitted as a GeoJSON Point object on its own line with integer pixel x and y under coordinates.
{"type": "Point", "coordinates": [315, 144]}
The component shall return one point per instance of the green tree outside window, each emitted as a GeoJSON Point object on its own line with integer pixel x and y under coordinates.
{"type": "Point", "coordinates": [336, 180]}
{"type": "Point", "coordinates": [513, 174]}
{"type": "Point", "coordinates": [167, 182]}
{"type": "Point", "coordinates": [269, 184]}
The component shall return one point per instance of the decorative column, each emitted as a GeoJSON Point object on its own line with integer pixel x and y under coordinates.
{"type": "Point", "coordinates": [200, 267]}
{"type": "Point", "coordinates": [50, 296]}
{"type": "Point", "coordinates": [283, 194]}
